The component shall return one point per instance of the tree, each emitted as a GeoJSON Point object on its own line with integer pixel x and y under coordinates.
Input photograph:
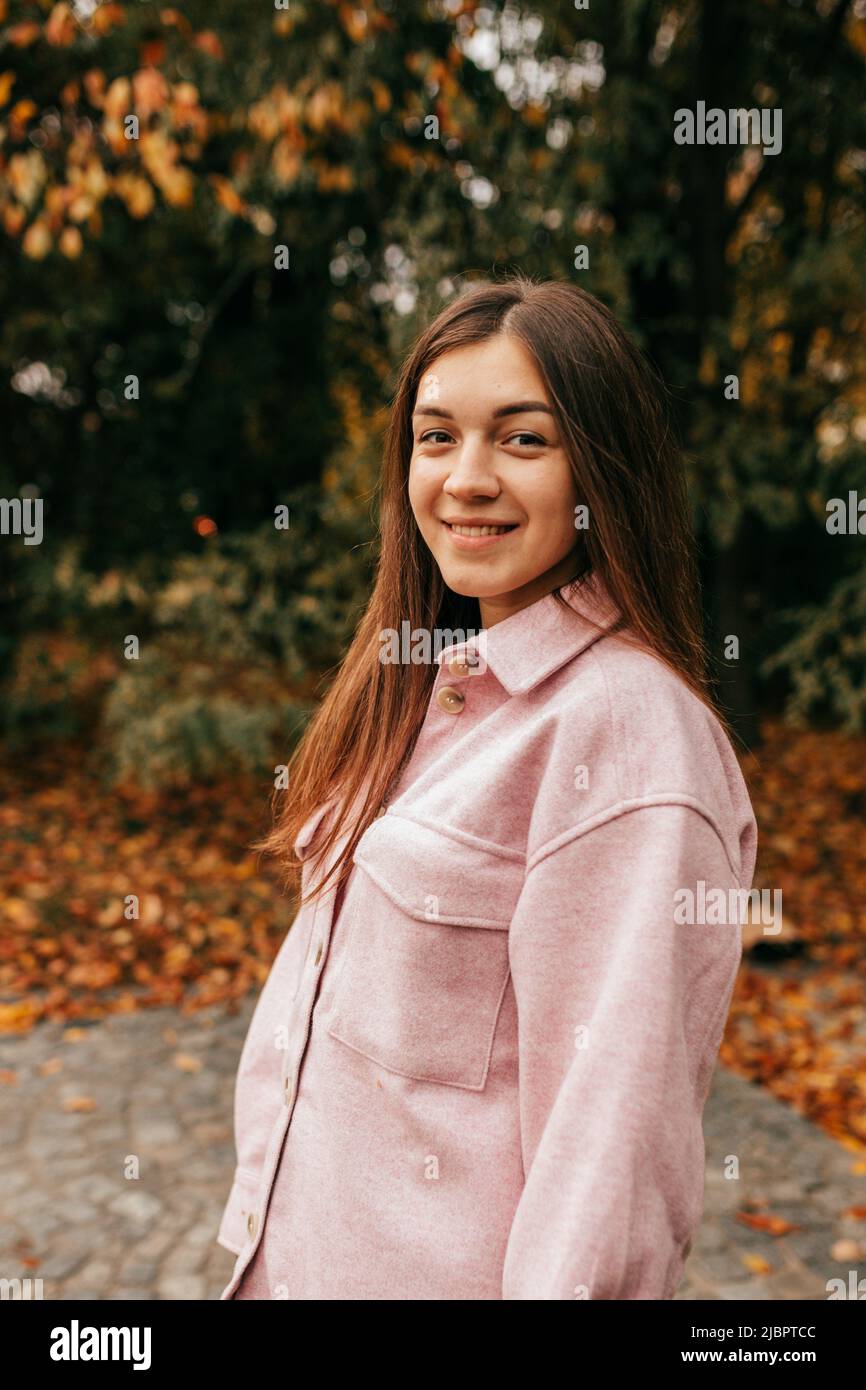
{"type": "Point", "coordinates": [390, 148]}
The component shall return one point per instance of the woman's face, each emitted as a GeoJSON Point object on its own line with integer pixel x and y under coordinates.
{"type": "Point", "coordinates": [487, 453]}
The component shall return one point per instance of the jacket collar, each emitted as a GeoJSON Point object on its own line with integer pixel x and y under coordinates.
{"type": "Point", "coordinates": [526, 648]}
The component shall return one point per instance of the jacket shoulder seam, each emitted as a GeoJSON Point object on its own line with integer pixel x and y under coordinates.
{"type": "Point", "coordinates": [624, 807]}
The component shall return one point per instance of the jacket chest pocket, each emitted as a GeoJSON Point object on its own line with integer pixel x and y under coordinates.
{"type": "Point", "coordinates": [426, 957]}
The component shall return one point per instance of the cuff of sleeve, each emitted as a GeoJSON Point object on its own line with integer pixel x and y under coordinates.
{"type": "Point", "coordinates": [233, 1232]}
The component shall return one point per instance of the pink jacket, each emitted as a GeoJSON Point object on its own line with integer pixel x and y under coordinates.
{"type": "Point", "coordinates": [486, 1078]}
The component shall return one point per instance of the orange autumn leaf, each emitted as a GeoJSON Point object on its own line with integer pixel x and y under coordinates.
{"type": "Point", "coordinates": [94, 974]}
{"type": "Point", "coordinates": [150, 91]}
{"type": "Point", "coordinates": [381, 95]}
{"type": "Point", "coordinates": [227, 195]}
{"type": "Point", "coordinates": [70, 243]}
{"type": "Point", "coordinates": [22, 113]}
{"type": "Point", "coordinates": [856, 35]}
{"type": "Point", "coordinates": [173, 19]}
{"type": "Point", "coordinates": [106, 18]}
{"type": "Point", "coordinates": [757, 1264]}
{"type": "Point", "coordinates": [17, 1017]}
{"type": "Point", "coordinates": [76, 1104]}
{"type": "Point", "coordinates": [61, 29]}
{"type": "Point", "coordinates": [184, 1061]}
{"type": "Point", "coordinates": [135, 192]}
{"type": "Point", "coordinates": [208, 42]}
{"type": "Point", "coordinates": [22, 35]}
{"type": "Point", "coordinates": [94, 85]}
{"type": "Point", "coordinates": [773, 1225]}
{"type": "Point", "coordinates": [20, 912]}
{"type": "Point", "coordinates": [355, 21]}
{"type": "Point", "coordinates": [847, 1250]}
{"type": "Point", "coordinates": [226, 929]}
{"type": "Point", "coordinates": [153, 52]}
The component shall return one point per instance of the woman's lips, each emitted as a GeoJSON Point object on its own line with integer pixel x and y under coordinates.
{"type": "Point", "coordinates": [477, 542]}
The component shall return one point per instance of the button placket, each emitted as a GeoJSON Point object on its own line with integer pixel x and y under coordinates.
{"type": "Point", "coordinates": [301, 1005]}
{"type": "Point", "coordinates": [299, 1035]}
{"type": "Point", "coordinates": [450, 700]}
{"type": "Point", "coordinates": [461, 666]}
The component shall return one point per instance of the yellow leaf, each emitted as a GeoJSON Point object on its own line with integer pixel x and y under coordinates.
{"type": "Point", "coordinates": [7, 82]}
{"type": "Point", "coordinates": [71, 242]}
{"type": "Point", "coordinates": [60, 27]}
{"type": "Point", "coordinates": [23, 111]}
{"type": "Point", "coordinates": [757, 1264]}
{"type": "Point", "coordinates": [36, 241]}
{"type": "Point", "coordinates": [21, 913]}
{"type": "Point", "coordinates": [22, 35]}
{"type": "Point", "coordinates": [185, 1062]}
{"type": "Point", "coordinates": [17, 1018]}
{"type": "Point", "coordinates": [111, 914]}
{"type": "Point", "coordinates": [137, 193]}
{"type": "Point", "coordinates": [74, 1104]}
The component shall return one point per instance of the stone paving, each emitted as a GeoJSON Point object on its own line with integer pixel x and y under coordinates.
{"type": "Point", "coordinates": [158, 1086]}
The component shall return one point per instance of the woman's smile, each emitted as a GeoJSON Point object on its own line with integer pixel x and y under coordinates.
{"type": "Point", "coordinates": [478, 535]}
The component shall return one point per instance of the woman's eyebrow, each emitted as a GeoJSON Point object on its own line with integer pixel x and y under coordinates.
{"type": "Point", "coordinates": [519, 408]}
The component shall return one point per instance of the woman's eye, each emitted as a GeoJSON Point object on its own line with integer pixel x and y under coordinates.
{"type": "Point", "coordinates": [534, 439]}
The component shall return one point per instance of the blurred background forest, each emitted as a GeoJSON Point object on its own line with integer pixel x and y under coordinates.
{"type": "Point", "coordinates": [203, 323]}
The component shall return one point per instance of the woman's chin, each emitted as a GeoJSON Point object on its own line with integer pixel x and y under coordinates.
{"type": "Point", "coordinates": [475, 586]}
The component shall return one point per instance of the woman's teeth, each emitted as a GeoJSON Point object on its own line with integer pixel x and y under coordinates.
{"type": "Point", "coordinates": [481, 530]}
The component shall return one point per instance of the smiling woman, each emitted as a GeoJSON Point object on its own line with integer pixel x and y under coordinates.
{"type": "Point", "coordinates": [478, 1067]}
{"type": "Point", "coordinates": [493, 482]}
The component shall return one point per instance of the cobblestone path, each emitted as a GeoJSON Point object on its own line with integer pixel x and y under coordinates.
{"type": "Point", "coordinates": [159, 1085]}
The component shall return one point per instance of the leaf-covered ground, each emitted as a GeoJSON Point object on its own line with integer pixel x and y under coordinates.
{"type": "Point", "coordinates": [798, 1018]}
{"type": "Point", "coordinates": [212, 914]}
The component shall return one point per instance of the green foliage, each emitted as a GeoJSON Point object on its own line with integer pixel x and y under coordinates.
{"type": "Point", "coordinates": [308, 128]}
{"type": "Point", "coordinates": [233, 630]}
{"type": "Point", "coordinates": [232, 643]}
{"type": "Point", "coordinates": [825, 660]}
{"type": "Point", "coordinates": [42, 698]}
{"type": "Point", "coordinates": [167, 725]}
{"type": "Point", "coordinates": [285, 600]}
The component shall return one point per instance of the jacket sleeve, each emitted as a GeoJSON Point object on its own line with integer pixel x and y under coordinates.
{"type": "Point", "coordinates": [621, 1010]}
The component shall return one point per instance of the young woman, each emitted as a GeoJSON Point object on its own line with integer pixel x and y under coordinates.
{"type": "Point", "coordinates": [478, 1067]}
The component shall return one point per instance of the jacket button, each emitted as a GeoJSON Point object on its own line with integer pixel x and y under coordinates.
{"type": "Point", "coordinates": [450, 700]}
{"type": "Point", "coordinates": [460, 667]}
{"type": "Point", "coordinates": [251, 1224]}
{"type": "Point", "coordinates": [318, 955]}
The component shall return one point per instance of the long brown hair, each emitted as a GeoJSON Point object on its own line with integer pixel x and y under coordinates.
{"type": "Point", "coordinates": [612, 412]}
